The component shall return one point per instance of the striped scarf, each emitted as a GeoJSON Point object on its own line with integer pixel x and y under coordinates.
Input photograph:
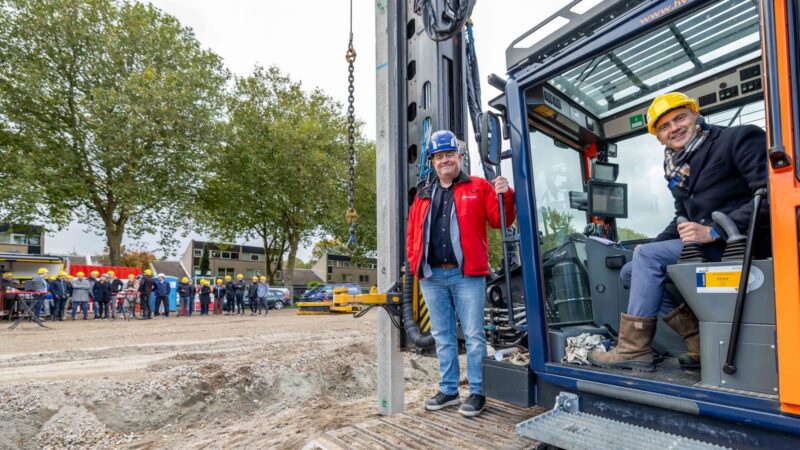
{"type": "Point", "coordinates": [676, 163]}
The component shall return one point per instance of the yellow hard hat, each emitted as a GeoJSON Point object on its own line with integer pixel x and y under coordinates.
{"type": "Point", "coordinates": [263, 278]}
{"type": "Point", "coordinates": [42, 270]}
{"type": "Point", "coordinates": [80, 274]}
{"type": "Point", "coordinates": [255, 278]}
{"type": "Point", "coordinates": [239, 276]}
{"type": "Point", "coordinates": [666, 103]}
{"type": "Point", "coordinates": [110, 273]}
{"type": "Point", "coordinates": [131, 276]}
{"type": "Point", "coordinates": [219, 281]}
{"type": "Point", "coordinates": [52, 278]}
{"type": "Point", "coordinates": [148, 272]}
{"type": "Point", "coordinates": [227, 278]}
{"type": "Point", "coordinates": [185, 280]}
{"type": "Point", "coordinates": [94, 272]}
{"type": "Point", "coordinates": [62, 273]}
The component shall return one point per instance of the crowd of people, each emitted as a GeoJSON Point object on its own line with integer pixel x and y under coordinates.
{"type": "Point", "coordinates": [110, 296]}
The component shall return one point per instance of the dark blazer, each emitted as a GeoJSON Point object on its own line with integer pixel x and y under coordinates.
{"type": "Point", "coordinates": [59, 289]}
{"type": "Point", "coordinates": [725, 172]}
{"type": "Point", "coordinates": [101, 292]}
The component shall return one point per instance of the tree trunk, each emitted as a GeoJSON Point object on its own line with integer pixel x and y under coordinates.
{"type": "Point", "coordinates": [114, 234]}
{"type": "Point", "coordinates": [288, 274]}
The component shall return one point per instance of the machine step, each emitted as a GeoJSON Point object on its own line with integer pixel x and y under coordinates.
{"type": "Point", "coordinates": [567, 428]}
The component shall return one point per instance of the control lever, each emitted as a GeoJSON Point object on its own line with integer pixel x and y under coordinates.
{"type": "Point", "coordinates": [730, 359]}
{"type": "Point", "coordinates": [692, 250]}
{"type": "Point", "coordinates": [734, 251]}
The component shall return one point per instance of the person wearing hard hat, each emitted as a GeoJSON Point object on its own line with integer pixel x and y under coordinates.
{"type": "Point", "coordinates": [230, 295]}
{"type": "Point", "coordinates": [40, 284]}
{"type": "Point", "coordinates": [60, 290]}
{"type": "Point", "coordinates": [162, 289]}
{"type": "Point", "coordinates": [252, 294]}
{"type": "Point", "coordinates": [186, 295]}
{"type": "Point", "coordinates": [263, 293]}
{"type": "Point", "coordinates": [94, 277]}
{"type": "Point", "coordinates": [239, 287]}
{"type": "Point", "coordinates": [81, 289]}
{"type": "Point", "coordinates": [101, 294]}
{"type": "Point", "coordinates": [447, 251]}
{"type": "Point", "coordinates": [219, 296]}
{"type": "Point", "coordinates": [8, 283]}
{"type": "Point", "coordinates": [707, 168]}
{"type": "Point", "coordinates": [204, 295]}
{"type": "Point", "coordinates": [116, 287]}
{"type": "Point", "coordinates": [146, 286]}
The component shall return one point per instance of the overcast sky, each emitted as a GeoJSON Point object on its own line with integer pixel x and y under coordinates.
{"type": "Point", "coordinates": [308, 41]}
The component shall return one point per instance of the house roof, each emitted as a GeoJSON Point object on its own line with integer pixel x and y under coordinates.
{"type": "Point", "coordinates": [304, 276]}
{"type": "Point", "coordinates": [169, 268]}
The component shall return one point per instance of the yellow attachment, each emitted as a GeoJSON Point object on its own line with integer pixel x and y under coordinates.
{"type": "Point", "coordinates": [42, 271]}
{"type": "Point", "coordinates": [666, 103]}
{"type": "Point", "coordinates": [8, 274]}
{"type": "Point", "coordinates": [342, 298]}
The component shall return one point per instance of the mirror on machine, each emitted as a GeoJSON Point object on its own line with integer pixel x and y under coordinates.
{"type": "Point", "coordinates": [490, 138]}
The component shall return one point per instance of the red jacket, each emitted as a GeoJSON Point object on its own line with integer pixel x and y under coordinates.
{"type": "Point", "coordinates": [476, 203]}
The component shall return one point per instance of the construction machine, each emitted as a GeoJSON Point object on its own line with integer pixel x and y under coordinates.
{"type": "Point", "coordinates": [570, 122]}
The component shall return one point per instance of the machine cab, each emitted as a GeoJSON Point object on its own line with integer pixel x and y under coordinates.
{"type": "Point", "coordinates": [590, 188]}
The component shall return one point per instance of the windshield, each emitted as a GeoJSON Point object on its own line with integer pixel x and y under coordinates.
{"type": "Point", "coordinates": [709, 41]}
{"type": "Point", "coordinates": [556, 172]}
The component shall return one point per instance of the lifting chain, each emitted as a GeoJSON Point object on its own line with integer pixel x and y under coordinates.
{"type": "Point", "coordinates": [352, 215]}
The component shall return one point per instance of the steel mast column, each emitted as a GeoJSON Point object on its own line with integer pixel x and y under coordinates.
{"type": "Point", "coordinates": [390, 210]}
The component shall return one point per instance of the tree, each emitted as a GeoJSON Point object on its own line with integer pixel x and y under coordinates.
{"type": "Point", "coordinates": [325, 246]}
{"type": "Point", "coordinates": [203, 266]}
{"type": "Point", "coordinates": [626, 234]}
{"type": "Point", "coordinates": [140, 259]}
{"type": "Point", "coordinates": [556, 227]}
{"type": "Point", "coordinates": [107, 110]}
{"type": "Point", "coordinates": [281, 165]}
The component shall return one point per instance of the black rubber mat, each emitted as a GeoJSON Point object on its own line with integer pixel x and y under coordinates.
{"type": "Point", "coordinates": [668, 371]}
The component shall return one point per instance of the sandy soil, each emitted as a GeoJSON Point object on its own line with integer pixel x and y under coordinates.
{"type": "Point", "coordinates": [214, 382]}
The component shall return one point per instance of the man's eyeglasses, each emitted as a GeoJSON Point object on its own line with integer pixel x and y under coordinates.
{"type": "Point", "coordinates": [445, 155]}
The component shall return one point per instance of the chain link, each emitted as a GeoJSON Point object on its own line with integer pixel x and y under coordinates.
{"type": "Point", "coordinates": [352, 215]}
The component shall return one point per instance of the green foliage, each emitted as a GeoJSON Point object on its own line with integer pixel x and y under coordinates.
{"type": "Point", "coordinates": [108, 109]}
{"type": "Point", "coordinates": [313, 284]}
{"type": "Point", "coordinates": [626, 234]}
{"type": "Point", "coordinates": [204, 263]}
{"type": "Point", "coordinates": [556, 227]}
{"type": "Point", "coordinates": [280, 169]}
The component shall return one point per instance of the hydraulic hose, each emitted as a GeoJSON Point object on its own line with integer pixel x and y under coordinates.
{"type": "Point", "coordinates": [411, 326]}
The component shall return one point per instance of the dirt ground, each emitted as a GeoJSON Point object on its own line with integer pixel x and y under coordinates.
{"type": "Point", "coordinates": [214, 382]}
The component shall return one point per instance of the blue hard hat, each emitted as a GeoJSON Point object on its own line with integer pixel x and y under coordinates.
{"type": "Point", "coordinates": [442, 141]}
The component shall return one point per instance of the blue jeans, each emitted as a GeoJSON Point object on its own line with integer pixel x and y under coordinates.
{"type": "Point", "coordinates": [189, 303]}
{"type": "Point", "coordinates": [83, 305]}
{"type": "Point", "coordinates": [646, 274]}
{"type": "Point", "coordinates": [449, 294]}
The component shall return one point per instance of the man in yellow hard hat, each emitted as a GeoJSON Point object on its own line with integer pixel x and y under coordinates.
{"type": "Point", "coordinates": [8, 283]}
{"type": "Point", "coordinates": [186, 293]}
{"type": "Point", "coordinates": [146, 286]}
{"type": "Point", "coordinates": [239, 286]}
{"type": "Point", "coordinates": [707, 168]}
{"type": "Point", "coordinates": [230, 295]}
{"type": "Point", "coordinates": [40, 284]}
{"type": "Point", "coordinates": [60, 289]}
{"type": "Point", "coordinates": [219, 296]}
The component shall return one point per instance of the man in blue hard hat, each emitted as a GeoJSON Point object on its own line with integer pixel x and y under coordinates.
{"type": "Point", "coordinates": [447, 250]}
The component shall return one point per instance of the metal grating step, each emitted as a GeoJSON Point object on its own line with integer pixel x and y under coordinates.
{"type": "Point", "coordinates": [581, 431]}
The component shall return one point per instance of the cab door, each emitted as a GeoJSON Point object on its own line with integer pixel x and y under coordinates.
{"type": "Point", "coordinates": [782, 53]}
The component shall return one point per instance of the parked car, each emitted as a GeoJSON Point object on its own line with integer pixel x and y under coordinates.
{"type": "Point", "coordinates": [286, 296]}
{"type": "Point", "coordinates": [278, 298]}
{"type": "Point", "coordinates": [324, 292]}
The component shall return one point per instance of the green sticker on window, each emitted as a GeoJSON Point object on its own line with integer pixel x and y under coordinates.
{"type": "Point", "coordinates": [636, 121]}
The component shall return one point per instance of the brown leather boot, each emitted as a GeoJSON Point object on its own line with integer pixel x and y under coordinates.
{"type": "Point", "coordinates": [684, 322]}
{"type": "Point", "coordinates": [634, 346]}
